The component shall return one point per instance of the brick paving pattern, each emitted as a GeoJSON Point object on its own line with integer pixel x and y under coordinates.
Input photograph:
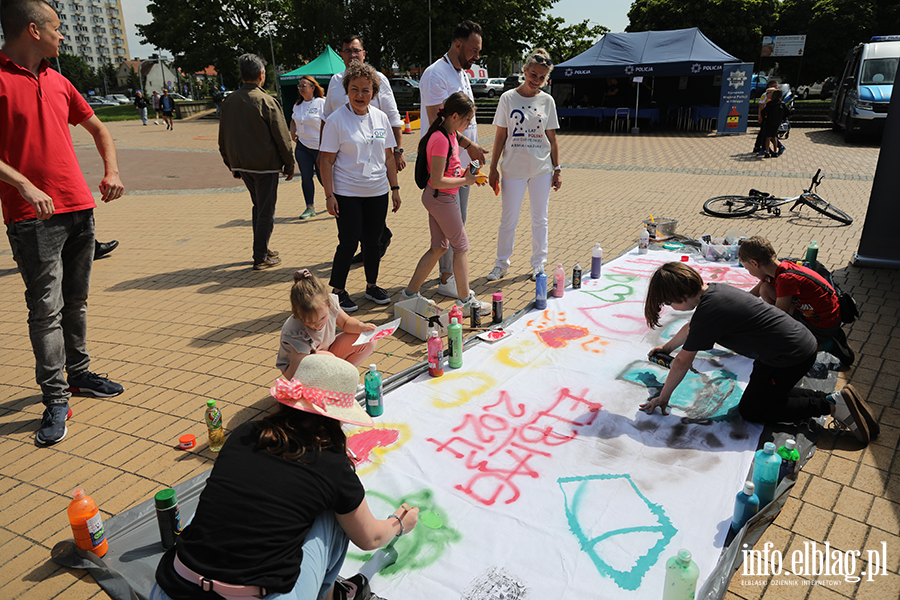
{"type": "Point", "coordinates": [177, 316]}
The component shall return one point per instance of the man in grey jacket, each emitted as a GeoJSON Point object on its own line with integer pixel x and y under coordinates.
{"type": "Point", "coordinates": [255, 144]}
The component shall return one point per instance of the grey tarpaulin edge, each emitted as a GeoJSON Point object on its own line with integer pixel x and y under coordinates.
{"type": "Point", "coordinates": [122, 575]}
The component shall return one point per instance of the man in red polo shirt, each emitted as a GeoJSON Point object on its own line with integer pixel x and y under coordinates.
{"type": "Point", "coordinates": [48, 206]}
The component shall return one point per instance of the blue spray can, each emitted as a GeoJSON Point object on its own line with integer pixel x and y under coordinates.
{"type": "Point", "coordinates": [540, 290]}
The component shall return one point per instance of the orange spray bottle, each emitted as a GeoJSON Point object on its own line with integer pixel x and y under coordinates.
{"type": "Point", "coordinates": [87, 524]}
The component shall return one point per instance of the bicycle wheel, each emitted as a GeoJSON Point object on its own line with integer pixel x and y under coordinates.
{"type": "Point", "coordinates": [731, 206]}
{"type": "Point", "coordinates": [815, 202]}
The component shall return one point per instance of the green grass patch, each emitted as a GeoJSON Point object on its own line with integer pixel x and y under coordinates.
{"type": "Point", "coordinates": [123, 112]}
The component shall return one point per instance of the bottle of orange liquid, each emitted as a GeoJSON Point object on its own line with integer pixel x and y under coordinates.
{"type": "Point", "coordinates": [87, 524]}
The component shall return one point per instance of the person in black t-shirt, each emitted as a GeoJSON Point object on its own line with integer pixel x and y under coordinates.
{"type": "Point", "coordinates": [782, 349]}
{"type": "Point", "coordinates": [282, 501]}
{"type": "Point", "coordinates": [773, 115]}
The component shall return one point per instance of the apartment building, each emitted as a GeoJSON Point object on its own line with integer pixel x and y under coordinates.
{"type": "Point", "coordinates": [94, 30]}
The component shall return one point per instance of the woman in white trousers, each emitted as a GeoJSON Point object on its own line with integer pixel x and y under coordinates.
{"type": "Point", "coordinates": [526, 140]}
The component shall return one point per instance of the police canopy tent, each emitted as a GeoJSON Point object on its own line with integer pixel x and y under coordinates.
{"type": "Point", "coordinates": [678, 67]}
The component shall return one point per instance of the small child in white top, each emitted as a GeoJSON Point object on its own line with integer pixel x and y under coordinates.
{"type": "Point", "coordinates": [312, 327]}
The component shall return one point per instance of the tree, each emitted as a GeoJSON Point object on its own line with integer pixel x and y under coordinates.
{"type": "Point", "coordinates": [107, 72]}
{"type": "Point", "coordinates": [832, 28]}
{"type": "Point", "coordinates": [205, 32]}
{"type": "Point", "coordinates": [736, 26]}
{"type": "Point", "coordinates": [563, 42]}
{"type": "Point", "coordinates": [77, 71]}
{"type": "Point", "coordinates": [133, 82]}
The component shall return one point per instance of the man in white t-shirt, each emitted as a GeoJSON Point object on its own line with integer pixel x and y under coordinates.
{"type": "Point", "coordinates": [352, 49]}
{"type": "Point", "coordinates": [444, 77]}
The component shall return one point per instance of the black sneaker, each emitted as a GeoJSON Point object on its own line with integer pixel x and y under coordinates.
{"type": "Point", "coordinates": [53, 424]}
{"type": "Point", "coordinates": [355, 588]}
{"type": "Point", "coordinates": [377, 295]}
{"type": "Point", "coordinates": [91, 383]}
{"type": "Point", "coordinates": [347, 304]}
{"type": "Point", "coordinates": [841, 350]}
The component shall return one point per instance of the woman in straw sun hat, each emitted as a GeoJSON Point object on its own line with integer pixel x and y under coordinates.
{"type": "Point", "coordinates": [282, 501]}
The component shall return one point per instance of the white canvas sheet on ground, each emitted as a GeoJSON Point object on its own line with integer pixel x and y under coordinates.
{"type": "Point", "coordinates": [533, 467]}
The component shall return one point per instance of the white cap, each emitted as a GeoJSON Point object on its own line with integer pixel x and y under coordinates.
{"type": "Point", "coordinates": [434, 332]}
{"type": "Point", "coordinates": [373, 367]}
{"type": "Point", "coordinates": [790, 444]}
{"type": "Point", "coordinates": [749, 488]}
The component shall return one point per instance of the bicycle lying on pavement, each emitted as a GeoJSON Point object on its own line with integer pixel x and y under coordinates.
{"type": "Point", "coordinates": [741, 206]}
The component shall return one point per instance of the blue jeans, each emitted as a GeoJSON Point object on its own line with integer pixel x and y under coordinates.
{"type": "Point", "coordinates": [264, 194]}
{"type": "Point", "coordinates": [307, 161]}
{"type": "Point", "coordinates": [55, 259]}
{"type": "Point", "coordinates": [323, 556]}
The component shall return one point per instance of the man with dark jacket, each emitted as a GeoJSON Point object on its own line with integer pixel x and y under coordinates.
{"type": "Point", "coordinates": [256, 146]}
{"type": "Point", "coordinates": [140, 103]}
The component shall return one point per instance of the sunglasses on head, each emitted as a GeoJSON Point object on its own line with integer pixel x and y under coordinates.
{"type": "Point", "coordinates": [542, 61]}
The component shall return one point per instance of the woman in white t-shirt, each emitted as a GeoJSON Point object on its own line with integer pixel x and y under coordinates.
{"type": "Point", "coordinates": [526, 140]}
{"type": "Point", "coordinates": [358, 172]}
{"type": "Point", "coordinates": [305, 125]}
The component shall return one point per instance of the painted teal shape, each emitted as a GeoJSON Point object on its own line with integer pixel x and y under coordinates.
{"type": "Point", "coordinates": [627, 580]}
{"type": "Point", "coordinates": [699, 395]}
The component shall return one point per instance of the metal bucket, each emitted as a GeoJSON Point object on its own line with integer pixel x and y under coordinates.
{"type": "Point", "coordinates": [661, 229]}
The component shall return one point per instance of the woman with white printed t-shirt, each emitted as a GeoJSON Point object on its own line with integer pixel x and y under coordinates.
{"type": "Point", "coordinates": [305, 129]}
{"type": "Point", "coordinates": [358, 172]}
{"type": "Point", "coordinates": [526, 140]}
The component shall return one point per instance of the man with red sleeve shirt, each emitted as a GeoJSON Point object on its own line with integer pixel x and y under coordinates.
{"type": "Point", "coordinates": [798, 290]}
{"type": "Point", "coordinates": [48, 206]}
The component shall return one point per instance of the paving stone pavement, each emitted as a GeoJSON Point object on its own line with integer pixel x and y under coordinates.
{"type": "Point", "coordinates": [177, 315]}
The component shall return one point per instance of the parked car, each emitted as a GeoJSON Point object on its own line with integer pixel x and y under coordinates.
{"type": "Point", "coordinates": [487, 87]}
{"type": "Point", "coordinates": [100, 102]}
{"type": "Point", "coordinates": [119, 98]}
{"type": "Point", "coordinates": [758, 85]}
{"type": "Point", "coordinates": [177, 96]}
{"type": "Point", "coordinates": [405, 88]}
{"type": "Point", "coordinates": [513, 81]}
{"type": "Point", "coordinates": [821, 89]}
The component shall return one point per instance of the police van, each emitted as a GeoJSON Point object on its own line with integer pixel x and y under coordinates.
{"type": "Point", "coordinates": [862, 97]}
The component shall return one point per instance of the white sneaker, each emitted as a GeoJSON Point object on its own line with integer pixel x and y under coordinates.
{"type": "Point", "coordinates": [448, 289]}
{"type": "Point", "coordinates": [407, 296]}
{"type": "Point", "coordinates": [483, 307]}
{"type": "Point", "coordinates": [496, 273]}
{"type": "Point", "coordinates": [535, 272]}
{"type": "Point", "coordinates": [156, 122]}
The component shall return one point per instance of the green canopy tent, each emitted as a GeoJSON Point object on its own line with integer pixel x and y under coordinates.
{"type": "Point", "coordinates": [321, 69]}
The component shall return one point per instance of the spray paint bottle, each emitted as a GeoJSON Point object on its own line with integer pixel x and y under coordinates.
{"type": "Point", "coordinates": [789, 457]}
{"type": "Point", "coordinates": [681, 577]}
{"type": "Point", "coordinates": [374, 392]}
{"type": "Point", "coordinates": [745, 506]}
{"type": "Point", "coordinates": [766, 466]}
{"type": "Point", "coordinates": [644, 243]}
{"type": "Point", "coordinates": [596, 261]}
{"type": "Point", "coordinates": [559, 275]}
{"type": "Point", "coordinates": [540, 290]}
{"type": "Point", "coordinates": [435, 354]}
{"type": "Point", "coordinates": [576, 277]}
{"type": "Point", "coordinates": [454, 339]}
